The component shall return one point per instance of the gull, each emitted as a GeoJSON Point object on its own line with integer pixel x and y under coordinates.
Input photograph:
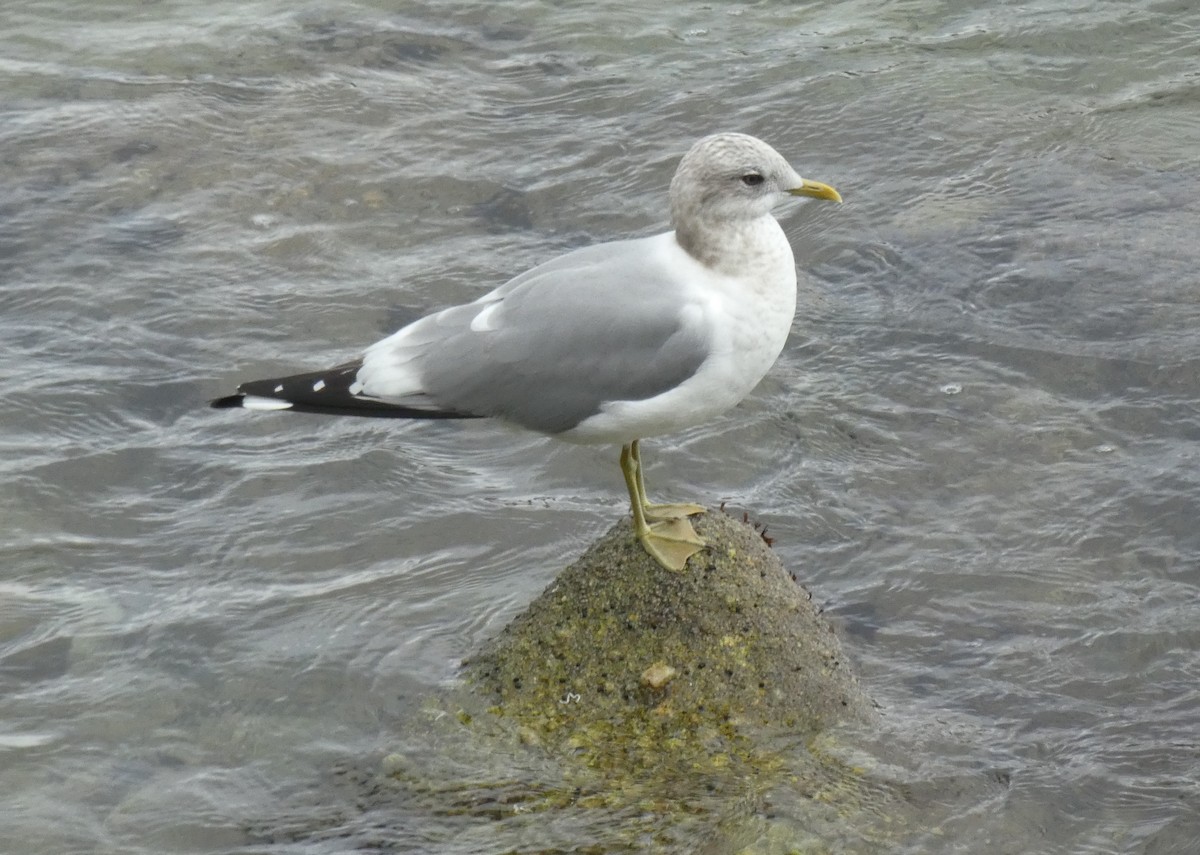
{"type": "Point", "coordinates": [610, 343]}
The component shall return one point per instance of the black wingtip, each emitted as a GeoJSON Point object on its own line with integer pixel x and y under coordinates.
{"type": "Point", "coordinates": [326, 393]}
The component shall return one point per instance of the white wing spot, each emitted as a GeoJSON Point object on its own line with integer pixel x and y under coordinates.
{"type": "Point", "coordinates": [279, 388]}
{"type": "Point", "coordinates": [318, 386]}
{"type": "Point", "coordinates": [482, 321]}
{"type": "Point", "coordinates": [257, 402]}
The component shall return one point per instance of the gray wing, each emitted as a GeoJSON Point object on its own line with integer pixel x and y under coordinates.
{"type": "Point", "coordinates": [606, 323]}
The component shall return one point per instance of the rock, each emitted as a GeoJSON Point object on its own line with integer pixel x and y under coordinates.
{"type": "Point", "coordinates": [619, 645]}
{"type": "Point", "coordinates": [631, 708]}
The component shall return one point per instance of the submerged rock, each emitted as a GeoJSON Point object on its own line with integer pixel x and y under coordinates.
{"type": "Point", "coordinates": [676, 700]}
{"type": "Point", "coordinates": [631, 708]}
{"type": "Point", "coordinates": [618, 645]}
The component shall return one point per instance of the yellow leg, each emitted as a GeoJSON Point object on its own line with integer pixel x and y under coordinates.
{"type": "Point", "coordinates": [670, 542]}
{"type": "Point", "coordinates": [668, 511]}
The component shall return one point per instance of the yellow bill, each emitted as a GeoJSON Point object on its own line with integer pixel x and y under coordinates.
{"type": "Point", "coordinates": [816, 190]}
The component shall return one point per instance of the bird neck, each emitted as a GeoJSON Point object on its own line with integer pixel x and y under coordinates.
{"type": "Point", "coordinates": [735, 248]}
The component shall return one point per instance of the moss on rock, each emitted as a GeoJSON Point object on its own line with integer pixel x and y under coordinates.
{"type": "Point", "coordinates": [670, 692]}
{"type": "Point", "coordinates": [745, 644]}
{"type": "Point", "coordinates": [631, 708]}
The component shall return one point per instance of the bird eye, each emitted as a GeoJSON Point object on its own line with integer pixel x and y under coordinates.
{"type": "Point", "coordinates": [752, 179]}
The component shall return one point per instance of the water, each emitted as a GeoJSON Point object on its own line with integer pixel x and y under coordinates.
{"type": "Point", "coordinates": [980, 447]}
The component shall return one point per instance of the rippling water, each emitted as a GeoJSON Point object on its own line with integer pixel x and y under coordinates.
{"type": "Point", "coordinates": [980, 447]}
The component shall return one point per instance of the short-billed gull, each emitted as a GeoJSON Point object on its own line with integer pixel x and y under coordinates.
{"type": "Point", "coordinates": [606, 344]}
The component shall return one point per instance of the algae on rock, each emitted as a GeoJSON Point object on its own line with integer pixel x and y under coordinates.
{"type": "Point", "coordinates": [631, 709]}
{"type": "Point", "coordinates": [672, 691]}
{"type": "Point", "coordinates": [745, 642]}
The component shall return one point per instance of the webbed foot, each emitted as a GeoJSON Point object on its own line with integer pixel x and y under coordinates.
{"type": "Point", "coordinates": [671, 542]}
{"type": "Point", "coordinates": [671, 510]}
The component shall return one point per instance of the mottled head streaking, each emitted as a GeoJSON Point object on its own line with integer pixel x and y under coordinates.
{"type": "Point", "coordinates": [728, 179]}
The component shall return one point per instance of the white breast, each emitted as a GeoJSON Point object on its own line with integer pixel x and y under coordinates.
{"type": "Point", "coordinates": [747, 318]}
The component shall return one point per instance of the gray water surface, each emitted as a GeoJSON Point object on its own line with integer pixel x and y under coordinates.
{"type": "Point", "coordinates": [981, 447]}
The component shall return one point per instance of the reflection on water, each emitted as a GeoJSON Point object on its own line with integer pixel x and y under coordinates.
{"type": "Point", "coordinates": [980, 447]}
